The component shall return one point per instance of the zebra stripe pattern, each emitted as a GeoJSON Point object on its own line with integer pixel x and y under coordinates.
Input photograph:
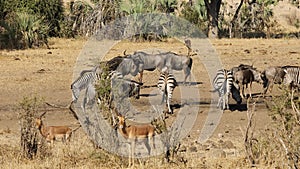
{"type": "Point", "coordinates": [292, 76]}
{"type": "Point", "coordinates": [86, 80]}
{"type": "Point", "coordinates": [166, 85]}
{"type": "Point", "coordinates": [223, 84]}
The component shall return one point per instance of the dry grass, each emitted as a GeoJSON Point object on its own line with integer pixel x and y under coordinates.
{"type": "Point", "coordinates": [53, 84]}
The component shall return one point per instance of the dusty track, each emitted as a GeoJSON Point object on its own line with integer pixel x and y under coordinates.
{"type": "Point", "coordinates": [47, 73]}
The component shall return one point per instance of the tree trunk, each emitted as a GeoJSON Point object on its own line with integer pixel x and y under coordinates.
{"type": "Point", "coordinates": [213, 9]}
{"type": "Point", "coordinates": [234, 20]}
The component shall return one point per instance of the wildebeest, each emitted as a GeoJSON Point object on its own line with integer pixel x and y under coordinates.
{"type": "Point", "coordinates": [241, 67]}
{"type": "Point", "coordinates": [272, 75]}
{"type": "Point", "coordinates": [245, 76]}
{"type": "Point", "coordinates": [170, 60]}
{"type": "Point", "coordinates": [178, 62]}
{"type": "Point", "coordinates": [128, 66]}
{"type": "Point", "coordinates": [149, 62]}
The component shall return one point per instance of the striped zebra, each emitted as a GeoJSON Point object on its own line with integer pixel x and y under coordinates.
{"type": "Point", "coordinates": [223, 83]}
{"type": "Point", "coordinates": [292, 76]}
{"type": "Point", "coordinates": [166, 84]}
{"type": "Point", "coordinates": [86, 80]}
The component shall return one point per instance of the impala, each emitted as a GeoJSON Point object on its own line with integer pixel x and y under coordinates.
{"type": "Point", "coordinates": [51, 133]}
{"type": "Point", "coordinates": [135, 132]}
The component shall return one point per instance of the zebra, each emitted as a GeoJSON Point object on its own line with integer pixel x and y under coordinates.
{"type": "Point", "coordinates": [86, 80]}
{"type": "Point", "coordinates": [223, 83]}
{"type": "Point", "coordinates": [166, 85]}
{"type": "Point", "coordinates": [292, 76]}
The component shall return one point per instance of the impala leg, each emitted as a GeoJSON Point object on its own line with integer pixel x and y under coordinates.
{"type": "Point", "coordinates": [147, 144]}
{"type": "Point", "coordinates": [132, 152]}
{"type": "Point", "coordinates": [129, 155]}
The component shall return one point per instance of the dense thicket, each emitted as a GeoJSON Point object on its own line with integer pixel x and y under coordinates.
{"type": "Point", "coordinates": [28, 23]}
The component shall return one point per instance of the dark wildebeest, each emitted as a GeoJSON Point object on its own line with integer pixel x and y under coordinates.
{"type": "Point", "coordinates": [272, 75]}
{"type": "Point", "coordinates": [246, 75]}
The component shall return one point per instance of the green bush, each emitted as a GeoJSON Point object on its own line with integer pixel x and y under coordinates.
{"type": "Point", "coordinates": [28, 23]}
{"type": "Point", "coordinates": [23, 30]}
{"type": "Point", "coordinates": [196, 14]}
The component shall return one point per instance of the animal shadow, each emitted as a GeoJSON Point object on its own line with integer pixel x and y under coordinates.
{"type": "Point", "coordinates": [189, 83]}
{"type": "Point", "coordinates": [147, 95]}
{"type": "Point", "coordinates": [238, 107]}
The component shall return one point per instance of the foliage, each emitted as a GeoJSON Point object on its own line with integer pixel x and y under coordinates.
{"type": "Point", "coordinates": [51, 11]}
{"type": "Point", "coordinates": [23, 30]}
{"type": "Point", "coordinates": [87, 20]}
{"type": "Point", "coordinates": [103, 90]}
{"type": "Point", "coordinates": [295, 2]}
{"type": "Point", "coordinates": [103, 87]}
{"type": "Point", "coordinates": [29, 135]}
{"type": "Point", "coordinates": [166, 6]}
{"type": "Point", "coordinates": [196, 14]}
{"type": "Point", "coordinates": [256, 16]}
{"type": "Point", "coordinates": [139, 25]}
{"type": "Point", "coordinates": [278, 145]}
{"type": "Point", "coordinates": [28, 23]}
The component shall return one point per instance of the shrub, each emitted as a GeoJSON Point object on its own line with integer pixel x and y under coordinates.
{"type": "Point", "coordinates": [29, 134]}
{"type": "Point", "coordinates": [24, 30]}
{"type": "Point", "coordinates": [28, 23]}
{"type": "Point", "coordinates": [278, 145]}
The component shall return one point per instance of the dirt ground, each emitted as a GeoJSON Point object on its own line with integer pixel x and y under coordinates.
{"type": "Point", "coordinates": [47, 73]}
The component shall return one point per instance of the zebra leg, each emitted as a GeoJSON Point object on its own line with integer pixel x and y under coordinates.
{"type": "Point", "coordinates": [169, 107]}
{"type": "Point", "coordinates": [83, 104]}
{"type": "Point", "coordinates": [226, 101]}
{"type": "Point", "coordinates": [223, 102]}
{"type": "Point", "coordinates": [219, 102]}
{"type": "Point", "coordinates": [162, 98]}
